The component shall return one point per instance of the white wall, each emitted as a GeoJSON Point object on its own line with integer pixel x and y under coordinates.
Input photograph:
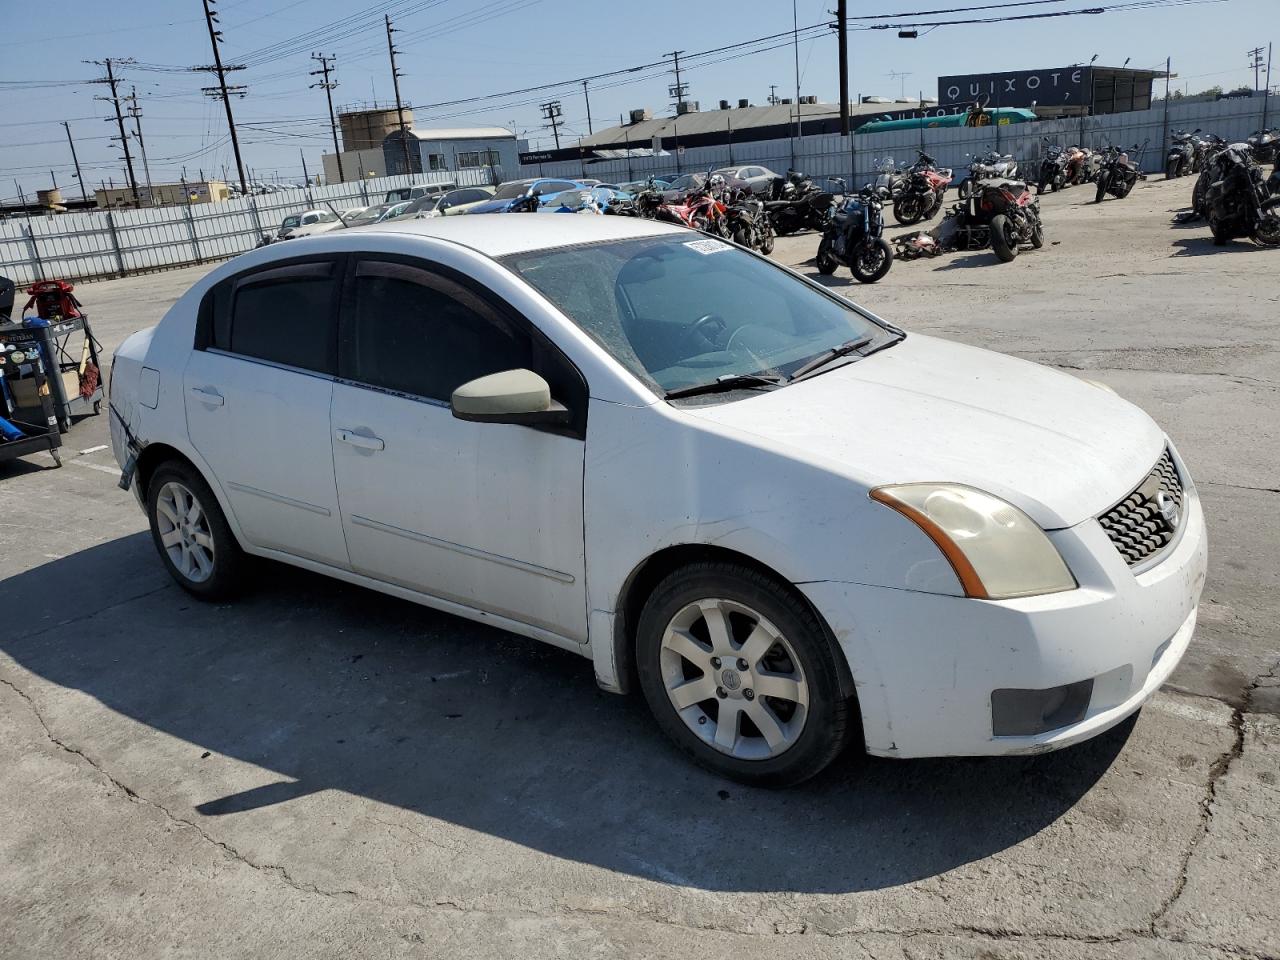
{"type": "Point", "coordinates": [853, 158]}
{"type": "Point", "coordinates": [86, 246]}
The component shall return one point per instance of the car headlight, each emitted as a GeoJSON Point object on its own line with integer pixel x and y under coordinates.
{"type": "Point", "coordinates": [996, 550]}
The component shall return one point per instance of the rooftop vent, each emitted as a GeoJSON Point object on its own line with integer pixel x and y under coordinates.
{"type": "Point", "coordinates": [786, 100]}
{"type": "Point", "coordinates": [808, 99]}
{"type": "Point", "coordinates": [724, 104]}
{"type": "Point", "coordinates": [743, 103]}
{"type": "Point", "coordinates": [686, 106]}
{"type": "Point", "coordinates": [641, 114]}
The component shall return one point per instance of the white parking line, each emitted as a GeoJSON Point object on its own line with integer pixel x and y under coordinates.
{"type": "Point", "coordinates": [114, 471]}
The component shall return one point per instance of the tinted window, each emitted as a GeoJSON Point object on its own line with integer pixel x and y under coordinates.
{"type": "Point", "coordinates": [287, 315]}
{"type": "Point", "coordinates": [512, 191]}
{"type": "Point", "coordinates": [420, 334]}
{"type": "Point", "coordinates": [553, 186]}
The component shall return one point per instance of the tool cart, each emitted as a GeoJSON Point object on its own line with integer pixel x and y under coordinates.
{"type": "Point", "coordinates": [24, 429]}
{"type": "Point", "coordinates": [60, 334]}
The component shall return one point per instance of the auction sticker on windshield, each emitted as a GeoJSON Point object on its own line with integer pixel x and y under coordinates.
{"type": "Point", "coordinates": [708, 246]}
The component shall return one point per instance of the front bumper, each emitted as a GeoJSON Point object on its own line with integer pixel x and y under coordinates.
{"type": "Point", "coordinates": [925, 665]}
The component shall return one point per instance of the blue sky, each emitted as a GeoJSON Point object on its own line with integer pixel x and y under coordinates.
{"type": "Point", "coordinates": [453, 49]}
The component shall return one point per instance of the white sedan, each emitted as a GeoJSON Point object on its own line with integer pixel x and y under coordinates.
{"type": "Point", "coordinates": [786, 521]}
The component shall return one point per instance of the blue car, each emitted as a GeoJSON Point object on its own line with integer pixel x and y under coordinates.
{"type": "Point", "coordinates": [512, 193]}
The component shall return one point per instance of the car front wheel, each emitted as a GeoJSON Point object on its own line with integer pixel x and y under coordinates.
{"type": "Point", "coordinates": [740, 673]}
{"type": "Point", "coordinates": [191, 534]}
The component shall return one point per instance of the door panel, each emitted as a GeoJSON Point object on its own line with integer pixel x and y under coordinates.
{"type": "Point", "coordinates": [488, 515]}
{"type": "Point", "coordinates": [264, 430]}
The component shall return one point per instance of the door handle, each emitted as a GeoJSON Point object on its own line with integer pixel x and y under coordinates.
{"type": "Point", "coordinates": [208, 395]}
{"type": "Point", "coordinates": [360, 440]}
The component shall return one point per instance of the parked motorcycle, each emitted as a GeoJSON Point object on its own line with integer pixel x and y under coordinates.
{"type": "Point", "coordinates": [923, 192]}
{"type": "Point", "coordinates": [747, 224]}
{"type": "Point", "coordinates": [801, 205]}
{"type": "Point", "coordinates": [990, 166]}
{"type": "Point", "coordinates": [1214, 145]}
{"type": "Point", "coordinates": [889, 180]}
{"type": "Point", "coordinates": [1117, 175]}
{"type": "Point", "coordinates": [1181, 157]}
{"type": "Point", "coordinates": [701, 210]}
{"type": "Point", "coordinates": [1238, 204]}
{"type": "Point", "coordinates": [854, 238]}
{"type": "Point", "coordinates": [1053, 168]}
{"type": "Point", "coordinates": [1265, 144]}
{"type": "Point", "coordinates": [1003, 215]}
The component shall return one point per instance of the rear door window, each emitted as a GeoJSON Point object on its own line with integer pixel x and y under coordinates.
{"type": "Point", "coordinates": [285, 315]}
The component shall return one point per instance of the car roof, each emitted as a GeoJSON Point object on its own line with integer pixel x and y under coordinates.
{"type": "Point", "coordinates": [499, 234]}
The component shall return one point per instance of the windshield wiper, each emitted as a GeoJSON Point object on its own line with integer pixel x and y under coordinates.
{"type": "Point", "coordinates": [728, 381]}
{"type": "Point", "coordinates": [840, 350]}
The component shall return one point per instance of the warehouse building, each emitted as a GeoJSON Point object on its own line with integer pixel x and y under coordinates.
{"type": "Point", "coordinates": [494, 150]}
{"type": "Point", "coordinates": [164, 194]}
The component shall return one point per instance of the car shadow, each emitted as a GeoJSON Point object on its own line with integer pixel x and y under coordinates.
{"type": "Point", "coordinates": [336, 687]}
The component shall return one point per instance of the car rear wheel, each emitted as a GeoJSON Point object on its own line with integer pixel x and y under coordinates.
{"type": "Point", "coordinates": [191, 534]}
{"type": "Point", "coordinates": [739, 672]}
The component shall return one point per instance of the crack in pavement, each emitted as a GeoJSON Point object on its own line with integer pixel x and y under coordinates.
{"type": "Point", "coordinates": [784, 926]}
{"type": "Point", "coordinates": [1217, 771]}
{"type": "Point", "coordinates": [1236, 486]}
{"type": "Point", "coordinates": [89, 615]}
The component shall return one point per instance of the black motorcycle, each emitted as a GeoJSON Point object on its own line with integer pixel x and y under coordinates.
{"type": "Point", "coordinates": [1238, 204]}
{"type": "Point", "coordinates": [854, 238]}
{"type": "Point", "coordinates": [798, 204]}
{"type": "Point", "coordinates": [1117, 175]}
{"type": "Point", "coordinates": [746, 222]}
{"type": "Point", "coordinates": [1213, 145]}
{"type": "Point", "coordinates": [1053, 168]}
{"type": "Point", "coordinates": [1181, 158]}
{"type": "Point", "coordinates": [1265, 144]}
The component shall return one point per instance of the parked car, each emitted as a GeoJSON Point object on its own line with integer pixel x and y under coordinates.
{"type": "Point", "coordinates": [786, 521]}
{"type": "Point", "coordinates": [636, 186]}
{"type": "Point", "coordinates": [307, 223]}
{"type": "Point", "coordinates": [414, 193]}
{"type": "Point", "coordinates": [676, 190]}
{"type": "Point", "coordinates": [511, 193]}
{"type": "Point", "coordinates": [457, 201]}
{"type": "Point", "coordinates": [351, 213]}
{"type": "Point", "coordinates": [379, 213]}
{"type": "Point", "coordinates": [760, 179]}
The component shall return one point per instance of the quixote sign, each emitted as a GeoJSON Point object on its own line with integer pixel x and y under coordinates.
{"type": "Point", "coordinates": [1057, 86]}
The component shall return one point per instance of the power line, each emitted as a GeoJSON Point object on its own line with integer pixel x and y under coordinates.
{"type": "Point", "coordinates": [111, 80]}
{"type": "Point", "coordinates": [551, 112]}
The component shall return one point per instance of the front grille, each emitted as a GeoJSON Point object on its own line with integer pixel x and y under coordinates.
{"type": "Point", "coordinates": [1146, 521]}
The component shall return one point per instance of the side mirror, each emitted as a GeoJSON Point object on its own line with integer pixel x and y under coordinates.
{"type": "Point", "coordinates": [512, 396]}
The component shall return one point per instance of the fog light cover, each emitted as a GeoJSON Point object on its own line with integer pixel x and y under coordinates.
{"type": "Point", "coordinates": [1028, 713]}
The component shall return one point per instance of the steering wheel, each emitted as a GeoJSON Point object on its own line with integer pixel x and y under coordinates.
{"type": "Point", "coordinates": [704, 323]}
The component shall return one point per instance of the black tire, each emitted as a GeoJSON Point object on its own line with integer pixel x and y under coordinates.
{"type": "Point", "coordinates": [965, 188]}
{"type": "Point", "coordinates": [883, 260]}
{"type": "Point", "coordinates": [1128, 187]}
{"type": "Point", "coordinates": [1171, 170]}
{"type": "Point", "coordinates": [1004, 246]}
{"type": "Point", "coordinates": [1043, 188]}
{"type": "Point", "coordinates": [1037, 235]}
{"type": "Point", "coordinates": [1267, 232]}
{"type": "Point", "coordinates": [831, 717]}
{"type": "Point", "coordinates": [1219, 237]}
{"type": "Point", "coordinates": [1102, 188]}
{"type": "Point", "coordinates": [766, 239]}
{"type": "Point", "coordinates": [908, 210]}
{"type": "Point", "coordinates": [827, 262]}
{"type": "Point", "coordinates": [1197, 195]}
{"type": "Point", "coordinates": [228, 561]}
{"type": "Point", "coordinates": [740, 237]}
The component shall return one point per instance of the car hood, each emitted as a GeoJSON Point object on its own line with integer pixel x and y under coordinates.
{"type": "Point", "coordinates": [1055, 446]}
{"type": "Point", "coordinates": [492, 206]}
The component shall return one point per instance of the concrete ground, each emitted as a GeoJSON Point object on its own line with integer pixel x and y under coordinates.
{"type": "Point", "coordinates": [322, 771]}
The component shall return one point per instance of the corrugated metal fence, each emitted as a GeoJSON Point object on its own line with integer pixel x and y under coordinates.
{"type": "Point", "coordinates": [113, 243]}
{"type": "Point", "coordinates": [855, 158]}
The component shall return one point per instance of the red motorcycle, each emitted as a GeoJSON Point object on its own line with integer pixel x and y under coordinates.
{"type": "Point", "coordinates": [702, 210]}
{"type": "Point", "coordinates": [922, 195]}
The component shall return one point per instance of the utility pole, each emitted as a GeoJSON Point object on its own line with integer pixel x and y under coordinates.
{"type": "Point", "coordinates": [395, 82]}
{"type": "Point", "coordinates": [112, 80]}
{"type": "Point", "coordinates": [1266, 94]}
{"type": "Point", "coordinates": [1255, 61]}
{"type": "Point", "coordinates": [222, 91]}
{"type": "Point", "coordinates": [795, 43]}
{"type": "Point", "coordinates": [327, 85]}
{"type": "Point", "coordinates": [551, 113]}
{"type": "Point", "coordinates": [136, 112]}
{"type": "Point", "coordinates": [773, 94]}
{"type": "Point", "coordinates": [84, 194]}
{"type": "Point", "coordinates": [306, 177]}
{"type": "Point", "coordinates": [678, 90]}
{"type": "Point", "coordinates": [842, 25]}
{"type": "Point", "coordinates": [587, 97]}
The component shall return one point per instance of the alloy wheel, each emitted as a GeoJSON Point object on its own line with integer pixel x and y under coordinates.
{"type": "Point", "coordinates": [734, 679]}
{"type": "Point", "coordinates": [184, 531]}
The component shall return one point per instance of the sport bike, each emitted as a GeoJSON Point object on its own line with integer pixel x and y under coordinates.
{"type": "Point", "coordinates": [854, 238]}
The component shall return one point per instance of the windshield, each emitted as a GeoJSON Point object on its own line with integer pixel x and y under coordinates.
{"type": "Point", "coordinates": [368, 216]}
{"type": "Point", "coordinates": [512, 191]}
{"type": "Point", "coordinates": [677, 312]}
{"type": "Point", "coordinates": [291, 222]}
{"type": "Point", "coordinates": [690, 181]}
